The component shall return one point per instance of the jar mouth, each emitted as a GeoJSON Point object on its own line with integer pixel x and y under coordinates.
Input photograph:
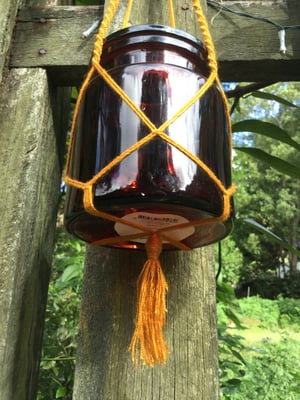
{"type": "Point", "coordinates": [160, 35]}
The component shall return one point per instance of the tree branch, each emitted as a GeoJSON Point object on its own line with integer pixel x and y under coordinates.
{"type": "Point", "coordinates": [240, 91]}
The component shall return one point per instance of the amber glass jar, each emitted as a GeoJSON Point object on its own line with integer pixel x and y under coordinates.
{"type": "Point", "coordinates": [159, 68]}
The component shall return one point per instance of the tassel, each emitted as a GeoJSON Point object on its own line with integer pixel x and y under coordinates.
{"type": "Point", "coordinates": [148, 340]}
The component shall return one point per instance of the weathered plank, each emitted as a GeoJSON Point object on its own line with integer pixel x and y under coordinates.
{"type": "Point", "coordinates": [33, 124]}
{"type": "Point", "coordinates": [52, 38]}
{"type": "Point", "coordinates": [29, 182]}
{"type": "Point", "coordinates": [248, 50]}
{"type": "Point", "coordinates": [104, 369]}
{"type": "Point", "coordinates": [8, 13]}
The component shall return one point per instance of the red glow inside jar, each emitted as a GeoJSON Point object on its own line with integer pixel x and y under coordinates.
{"type": "Point", "coordinates": [160, 69]}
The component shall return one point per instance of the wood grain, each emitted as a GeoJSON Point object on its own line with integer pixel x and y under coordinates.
{"type": "Point", "coordinates": [33, 124]}
{"type": "Point", "coordinates": [30, 175]}
{"type": "Point", "coordinates": [248, 50]}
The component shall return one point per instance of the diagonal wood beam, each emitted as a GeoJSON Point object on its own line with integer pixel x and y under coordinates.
{"type": "Point", "coordinates": [248, 50]}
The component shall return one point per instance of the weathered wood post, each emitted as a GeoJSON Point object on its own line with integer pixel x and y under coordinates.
{"type": "Point", "coordinates": [32, 127]}
{"type": "Point", "coordinates": [104, 369]}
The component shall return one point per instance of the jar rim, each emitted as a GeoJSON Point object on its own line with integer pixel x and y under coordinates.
{"type": "Point", "coordinates": [152, 33]}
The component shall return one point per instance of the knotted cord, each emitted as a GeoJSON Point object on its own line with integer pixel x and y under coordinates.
{"type": "Point", "coordinates": [148, 340]}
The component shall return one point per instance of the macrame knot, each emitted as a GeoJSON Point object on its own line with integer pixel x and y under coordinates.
{"type": "Point", "coordinates": [153, 247]}
{"type": "Point", "coordinates": [148, 342]}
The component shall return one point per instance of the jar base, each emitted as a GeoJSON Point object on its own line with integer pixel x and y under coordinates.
{"type": "Point", "coordinates": [92, 229]}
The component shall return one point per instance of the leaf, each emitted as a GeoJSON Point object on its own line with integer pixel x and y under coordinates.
{"type": "Point", "coordinates": [239, 356]}
{"type": "Point", "coordinates": [70, 261]}
{"type": "Point", "coordinates": [267, 129]}
{"type": "Point", "coordinates": [232, 387]}
{"type": "Point", "coordinates": [226, 289]}
{"type": "Point", "coordinates": [271, 235]}
{"type": "Point", "coordinates": [275, 162]}
{"type": "Point", "coordinates": [71, 272]}
{"type": "Point", "coordinates": [61, 392]}
{"type": "Point", "coordinates": [233, 317]}
{"type": "Point", "coordinates": [270, 96]}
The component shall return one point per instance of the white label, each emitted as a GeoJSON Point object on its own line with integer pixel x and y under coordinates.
{"type": "Point", "coordinates": [154, 222]}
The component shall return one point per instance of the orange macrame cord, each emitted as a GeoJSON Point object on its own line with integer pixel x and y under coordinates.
{"type": "Point", "coordinates": [148, 341]}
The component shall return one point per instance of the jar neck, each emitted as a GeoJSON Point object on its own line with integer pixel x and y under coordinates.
{"type": "Point", "coordinates": [148, 44]}
{"type": "Point", "coordinates": [153, 56]}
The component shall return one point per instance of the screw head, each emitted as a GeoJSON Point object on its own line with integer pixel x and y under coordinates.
{"type": "Point", "coordinates": [42, 52]}
{"type": "Point", "coordinates": [185, 6]}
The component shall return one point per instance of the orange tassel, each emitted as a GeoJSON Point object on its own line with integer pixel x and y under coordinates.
{"type": "Point", "coordinates": [148, 340]}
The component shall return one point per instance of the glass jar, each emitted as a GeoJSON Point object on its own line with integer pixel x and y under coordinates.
{"type": "Point", "coordinates": [160, 69]}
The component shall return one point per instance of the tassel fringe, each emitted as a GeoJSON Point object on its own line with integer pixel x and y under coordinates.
{"type": "Point", "coordinates": [148, 342]}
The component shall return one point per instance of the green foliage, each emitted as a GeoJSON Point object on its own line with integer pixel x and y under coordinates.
{"type": "Point", "coordinates": [231, 363]}
{"type": "Point", "coordinates": [267, 129]}
{"type": "Point", "coordinates": [273, 372]}
{"type": "Point", "coordinates": [281, 313]}
{"type": "Point", "coordinates": [265, 369]}
{"type": "Point", "coordinates": [231, 260]}
{"type": "Point", "coordinates": [265, 284]}
{"type": "Point", "coordinates": [62, 320]}
{"type": "Point", "coordinates": [267, 171]}
{"type": "Point", "coordinates": [267, 202]}
{"type": "Point", "coordinates": [275, 162]}
{"type": "Point", "coordinates": [228, 308]}
{"type": "Point", "coordinates": [289, 313]}
{"type": "Point", "coordinates": [264, 310]}
{"type": "Point", "coordinates": [271, 235]}
{"type": "Point", "coordinates": [271, 96]}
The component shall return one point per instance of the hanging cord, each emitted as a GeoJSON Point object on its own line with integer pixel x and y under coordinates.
{"type": "Point", "coordinates": [108, 16]}
{"type": "Point", "coordinates": [172, 14]}
{"type": "Point", "coordinates": [127, 14]}
{"type": "Point", "coordinates": [148, 341]}
{"type": "Point", "coordinates": [212, 62]}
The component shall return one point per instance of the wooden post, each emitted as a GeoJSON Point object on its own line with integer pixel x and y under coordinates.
{"type": "Point", "coordinates": [104, 369]}
{"type": "Point", "coordinates": [32, 127]}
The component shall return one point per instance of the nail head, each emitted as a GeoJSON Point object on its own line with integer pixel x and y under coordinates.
{"type": "Point", "coordinates": [185, 6]}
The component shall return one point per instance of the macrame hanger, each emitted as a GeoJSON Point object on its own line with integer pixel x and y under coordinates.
{"type": "Point", "coordinates": [148, 342]}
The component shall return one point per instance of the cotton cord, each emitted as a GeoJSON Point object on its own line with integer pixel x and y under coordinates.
{"type": "Point", "coordinates": [127, 14]}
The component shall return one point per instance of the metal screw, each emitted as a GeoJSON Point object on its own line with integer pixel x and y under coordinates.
{"type": "Point", "coordinates": [42, 52]}
{"type": "Point", "coordinates": [91, 29]}
{"type": "Point", "coordinates": [185, 6]}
